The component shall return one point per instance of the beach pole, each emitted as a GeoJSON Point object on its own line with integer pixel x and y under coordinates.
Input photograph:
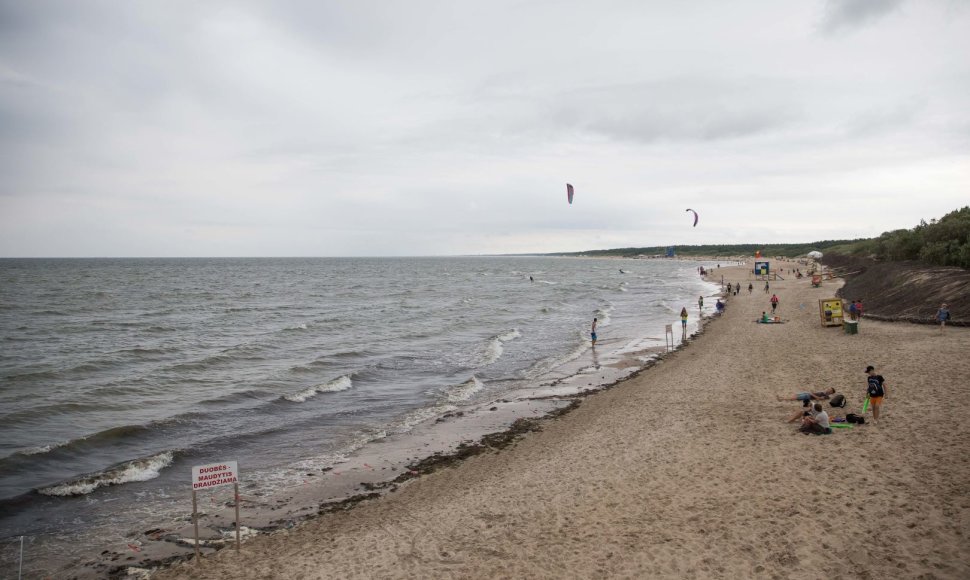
{"type": "Point", "coordinates": [195, 521]}
{"type": "Point", "coordinates": [236, 487]}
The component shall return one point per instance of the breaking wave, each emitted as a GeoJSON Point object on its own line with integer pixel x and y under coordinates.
{"type": "Point", "coordinates": [339, 384]}
{"type": "Point", "coordinates": [137, 470]}
{"type": "Point", "coordinates": [464, 391]}
{"type": "Point", "coordinates": [495, 346]}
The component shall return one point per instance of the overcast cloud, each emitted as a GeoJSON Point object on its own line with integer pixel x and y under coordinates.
{"type": "Point", "coordinates": [314, 128]}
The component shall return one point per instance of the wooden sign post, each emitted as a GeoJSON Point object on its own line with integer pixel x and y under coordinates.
{"type": "Point", "coordinates": [209, 477]}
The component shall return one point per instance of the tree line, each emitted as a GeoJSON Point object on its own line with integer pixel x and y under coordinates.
{"type": "Point", "coordinates": [942, 242]}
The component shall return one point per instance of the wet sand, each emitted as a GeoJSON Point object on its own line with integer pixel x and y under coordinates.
{"type": "Point", "coordinates": [687, 470]}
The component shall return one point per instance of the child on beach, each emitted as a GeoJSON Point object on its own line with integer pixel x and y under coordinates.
{"type": "Point", "coordinates": [592, 332]}
{"type": "Point", "coordinates": [942, 316]}
{"type": "Point", "coordinates": [683, 320]}
{"type": "Point", "coordinates": [875, 391]}
{"type": "Point", "coordinates": [774, 302]}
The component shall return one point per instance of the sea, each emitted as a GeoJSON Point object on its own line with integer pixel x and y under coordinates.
{"type": "Point", "coordinates": [119, 375]}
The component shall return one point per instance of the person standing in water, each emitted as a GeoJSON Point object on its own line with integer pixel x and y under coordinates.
{"type": "Point", "coordinates": [700, 303]}
{"type": "Point", "coordinates": [592, 333]}
{"type": "Point", "coordinates": [683, 321]}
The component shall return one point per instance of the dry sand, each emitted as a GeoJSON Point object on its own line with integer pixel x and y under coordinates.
{"type": "Point", "coordinates": [689, 471]}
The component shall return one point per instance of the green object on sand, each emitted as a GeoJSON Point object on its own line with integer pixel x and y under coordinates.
{"type": "Point", "coordinates": [841, 425]}
{"type": "Point", "coordinates": [865, 406]}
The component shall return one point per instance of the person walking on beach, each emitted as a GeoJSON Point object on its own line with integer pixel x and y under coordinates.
{"type": "Point", "coordinates": [774, 302]}
{"type": "Point", "coordinates": [592, 332]}
{"type": "Point", "coordinates": [875, 391]}
{"type": "Point", "coordinates": [750, 287]}
{"type": "Point", "coordinates": [700, 303]}
{"type": "Point", "coordinates": [683, 320]}
{"type": "Point", "coordinates": [737, 288]}
{"type": "Point", "coordinates": [766, 286]}
{"type": "Point", "coordinates": [942, 316]}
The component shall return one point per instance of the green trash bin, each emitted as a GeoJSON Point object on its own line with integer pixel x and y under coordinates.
{"type": "Point", "coordinates": [850, 326]}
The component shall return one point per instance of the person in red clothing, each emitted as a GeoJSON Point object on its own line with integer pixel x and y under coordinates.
{"type": "Point", "coordinates": [774, 302]}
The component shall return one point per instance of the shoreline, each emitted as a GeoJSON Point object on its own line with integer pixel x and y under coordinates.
{"type": "Point", "coordinates": [161, 549]}
{"type": "Point", "coordinates": [383, 465]}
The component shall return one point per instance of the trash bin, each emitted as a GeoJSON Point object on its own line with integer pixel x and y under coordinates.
{"type": "Point", "coordinates": [851, 326]}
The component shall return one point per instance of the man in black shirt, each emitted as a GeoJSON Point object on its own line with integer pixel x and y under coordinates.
{"type": "Point", "coordinates": [875, 390]}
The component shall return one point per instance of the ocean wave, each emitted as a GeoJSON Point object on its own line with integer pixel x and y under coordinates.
{"type": "Point", "coordinates": [464, 391]}
{"type": "Point", "coordinates": [547, 364]}
{"type": "Point", "coordinates": [247, 352]}
{"type": "Point", "coordinates": [339, 384]}
{"type": "Point", "coordinates": [494, 348]}
{"type": "Point", "coordinates": [326, 360]}
{"type": "Point", "coordinates": [603, 314]}
{"type": "Point", "coordinates": [41, 449]}
{"type": "Point", "coordinates": [415, 418]}
{"type": "Point", "coordinates": [142, 469]}
{"type": "Point", "coordinates": [30, 415]}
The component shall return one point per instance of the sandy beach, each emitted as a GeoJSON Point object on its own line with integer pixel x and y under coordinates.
{"type": "Point", "coordinates": [688, 470]}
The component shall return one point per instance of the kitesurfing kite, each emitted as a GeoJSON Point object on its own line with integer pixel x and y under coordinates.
{"type": "Point", "coordinates": [695, 216]}
{"type": "Point", "coordinates": [569, 193]}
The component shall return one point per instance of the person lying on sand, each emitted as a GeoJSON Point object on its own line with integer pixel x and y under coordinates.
{"type": "Point", "coordinates": [815, 396]}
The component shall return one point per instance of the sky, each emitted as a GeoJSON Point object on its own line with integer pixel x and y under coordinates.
{"type": "Point", "coordinates": [451, 127]}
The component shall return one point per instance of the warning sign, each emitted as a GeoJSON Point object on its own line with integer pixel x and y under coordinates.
{"type": "Point", "coordinates": [214, 475]}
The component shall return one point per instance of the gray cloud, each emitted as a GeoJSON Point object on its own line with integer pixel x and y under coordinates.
{"type": "Point", "coordinates": [435, 127]}
{"type": "Point", "coordinates": [842, 15]}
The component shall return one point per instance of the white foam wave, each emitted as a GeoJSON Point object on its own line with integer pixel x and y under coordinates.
{"type": "Point", "coordinates": [41, 449]}
{"type": "Point", "coordinates": [603, 314]}
{"type": "Point", "coordinates": [339, 384]}
{"type": "Point", "coordinates": [137, 470]}
{"type": "Point", "coordinates": [495, 348]}
{"type": "Point", "coordinates": [464, 391]}
{"type": "Point", "coordinates": [545, 365]}
{"type": "Point", "coordinates": [415, 418]}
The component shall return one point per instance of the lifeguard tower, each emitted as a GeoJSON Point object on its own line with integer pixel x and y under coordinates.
{"type": "Point", "coordinates": [830, 311]}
